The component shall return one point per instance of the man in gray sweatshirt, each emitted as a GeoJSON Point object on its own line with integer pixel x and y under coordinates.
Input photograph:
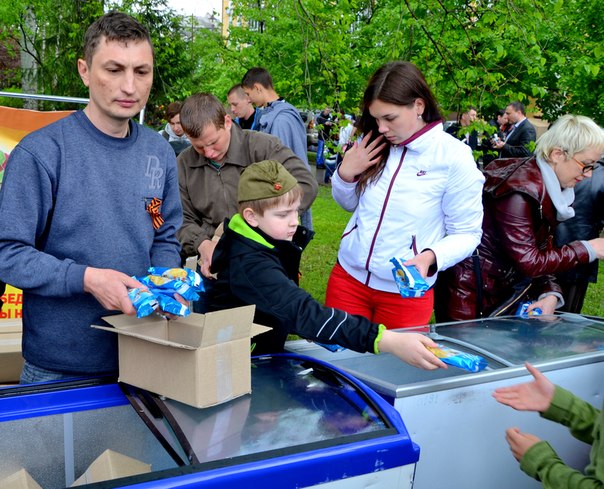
{"type": "Point", "coordinates": [86, 203]}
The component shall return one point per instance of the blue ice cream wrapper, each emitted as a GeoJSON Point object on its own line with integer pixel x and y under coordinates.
{"type": "Point", "coordinates": [523, 311]}
{"type": "Point", "coordinates": [162, 283]}
{"type": "Point", "coordinates": [171, 305]}
{"type": "Point", "coordinates": [331, 347]}
{"type": "Point", "coordinates": [459, 359]}
{"type": "Point", "coordinates": [186, 275]}
{"type": "Point", "coordinates": [143, 301]}
{"type": "Point", "coordinates": [169, 286]}
{"type": "Point", "coordinates": [408, 280]}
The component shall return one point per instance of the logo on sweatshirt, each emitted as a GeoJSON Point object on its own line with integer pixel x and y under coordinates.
{"type": "Point", "coordinates": [421, 173]}
{"type": "Point", "coordinates": [154, 172]}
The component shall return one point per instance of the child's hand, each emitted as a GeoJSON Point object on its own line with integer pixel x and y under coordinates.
{"type": "Point", "coordinates": [411, 348]}
{"type": "Point", "coordinates": [530, 396]}
{"type": "Point", "coordinates": [519, 442]}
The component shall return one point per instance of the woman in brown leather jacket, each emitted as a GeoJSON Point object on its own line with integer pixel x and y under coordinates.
{"type": "Point", "coordinates": [523, 200]}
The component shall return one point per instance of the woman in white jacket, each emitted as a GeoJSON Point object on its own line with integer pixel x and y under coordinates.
{"type": "Point", "coordinates": [415, 194]}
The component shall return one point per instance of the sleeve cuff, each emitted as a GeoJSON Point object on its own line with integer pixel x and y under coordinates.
{"type": "Point", "coordinates": [537, 457]}
{"type": "Point", "coordinates": [75, 279]}
{"type": "Point", "coordinates": [592, 253]}
{"type": "Point", "coordinates": [557, 295]}
{"type": "Point", "coordinates": [378, 338]}
{"type": "Point", "coordinates": [560, 406]}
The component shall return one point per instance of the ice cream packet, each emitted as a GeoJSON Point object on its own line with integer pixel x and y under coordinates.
{"type": "Point", "coordinates": [408, 280]}
{"type": "Point", "coordinates": [466, 361]}
{"type": "Point", "coordinates": [524, 312]}
{"type": "Point", "coordinates": [333, 348]}
{"type": "Point", "coordinates": [186, 275]}
{"type": "Point", "coordinates": [171, 305]}
{"type": "Point", "coordinates": [169, 286]}
{"type": "Point", "coordinates": [143, 301]}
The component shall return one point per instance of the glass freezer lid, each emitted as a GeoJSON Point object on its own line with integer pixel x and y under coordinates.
{"type": "Point", "coordinates": [534, 339]}
{"type": "Point", "coordinates": [295, 403]}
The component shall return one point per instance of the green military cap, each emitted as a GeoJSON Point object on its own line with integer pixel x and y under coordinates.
{"type": "Point", "coordinates": [264, 180]}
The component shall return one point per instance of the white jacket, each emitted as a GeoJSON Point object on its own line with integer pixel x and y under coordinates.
{"type": "Point", "coordinates": [429, 196]}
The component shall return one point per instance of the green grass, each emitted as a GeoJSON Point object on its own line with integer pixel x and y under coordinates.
{"type": "Point", "coordinates": [594, 299]}
{"type": "Point", "coordinates": [329, 221]}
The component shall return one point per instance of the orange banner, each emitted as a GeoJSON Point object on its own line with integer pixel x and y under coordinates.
{"type": "Point", "coordinates": [14, 125]}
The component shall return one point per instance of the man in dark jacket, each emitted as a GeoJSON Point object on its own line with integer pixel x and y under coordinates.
{"type": "Point", "coordinates": [324, 123]}
{"type": "Point", "coordinates": [459, 128]}
{"type": "Point", "coordinates": [518, 140]}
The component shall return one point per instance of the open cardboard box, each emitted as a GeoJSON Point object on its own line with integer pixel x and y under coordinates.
{"type": "Point", "coordinates": [19, 480]}
{"type": "Point", "coordinates": [11, 361]}
{"type": "Point", "coordinates": [111, 465]}
{"type": "Point", "coordinates": [201, 360]}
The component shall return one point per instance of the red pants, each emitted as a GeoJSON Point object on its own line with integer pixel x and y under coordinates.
{"type": "Point", "coordinates": [346, 293]}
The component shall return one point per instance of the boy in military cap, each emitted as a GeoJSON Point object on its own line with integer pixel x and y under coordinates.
{"type": "Point", "coordinates": [257, 262]}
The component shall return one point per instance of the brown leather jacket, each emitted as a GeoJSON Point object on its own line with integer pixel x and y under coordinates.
{"type": "Point", "coordinates": [516, 247]}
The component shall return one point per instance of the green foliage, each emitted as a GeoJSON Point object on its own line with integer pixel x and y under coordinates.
{"type": "Point", "coordinates": [482, 52]}
{"type": "Point", "coordinates": [51, 38]}
{"type": "Point", "coordinates": [547, 53]}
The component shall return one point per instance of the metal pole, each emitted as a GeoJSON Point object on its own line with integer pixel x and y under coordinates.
{"type": "Point", "coordinates": [50, 98]}
{"type": "Point", "coordinates": [55, 98]}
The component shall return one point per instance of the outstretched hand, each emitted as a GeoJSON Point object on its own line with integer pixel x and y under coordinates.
{"type": "Point", "coordinates": [411, 348]}
{"type": "Point", "coordinates": [530, 396]}
{"type": "Point", "coordinates": [361, 156]}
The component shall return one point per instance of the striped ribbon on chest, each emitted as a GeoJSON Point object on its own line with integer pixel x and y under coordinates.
{"type": "Point", "coordinates": [153, 209]}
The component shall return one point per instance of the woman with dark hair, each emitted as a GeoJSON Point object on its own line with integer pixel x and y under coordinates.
{"type": "Point", "coordinates": [524, 199]}
{"type": "Point", "coordinates": [415, 194]}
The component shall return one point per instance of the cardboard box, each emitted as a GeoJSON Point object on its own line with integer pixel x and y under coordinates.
{"type": "Point", "coordinates": [111, 465]}
{"type": "Point", "coordinates": [11, 361]}
{"type": "Point", "coordinates": [201, 360]}
{"type": "Point", "coordinates": [19, 480]}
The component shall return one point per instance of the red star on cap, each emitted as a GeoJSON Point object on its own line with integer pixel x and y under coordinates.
{"type": "Point", "coordinates": [278, 186]}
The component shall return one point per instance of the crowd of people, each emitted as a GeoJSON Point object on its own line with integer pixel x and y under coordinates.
{"type": "Point", "coordinates": [93, 200]}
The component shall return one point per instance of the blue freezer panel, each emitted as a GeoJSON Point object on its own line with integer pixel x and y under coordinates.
{"type": "Point", "coordinates": [298, 470]}
{"type": "Point", "coordinates": [48, 401]}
